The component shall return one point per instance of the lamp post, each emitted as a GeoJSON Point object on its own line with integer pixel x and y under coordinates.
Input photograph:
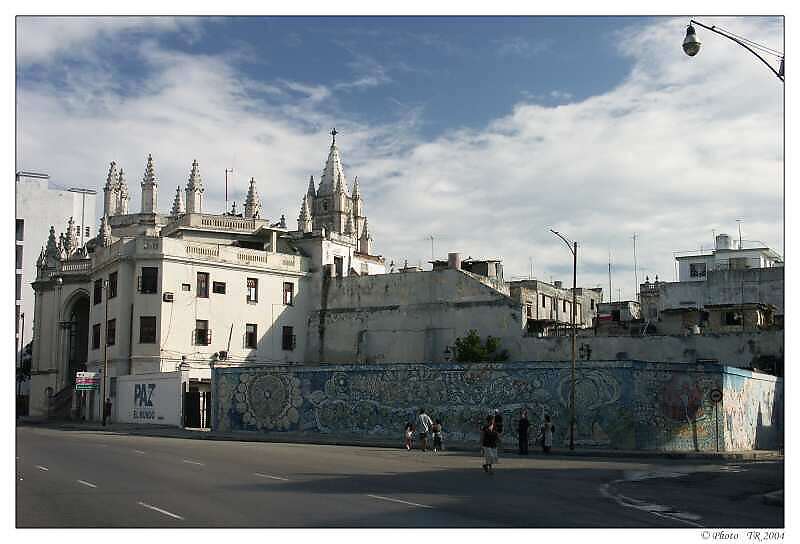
{"type": "Point", "coordinates": [573, 247]}
{"type": "Point", "coordinates": [105, 355]}
{"type": "Point", "coordinates": [691, 45]}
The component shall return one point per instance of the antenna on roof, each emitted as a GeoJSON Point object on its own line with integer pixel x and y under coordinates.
{"type": "Point", "coordinates": [227, 171]}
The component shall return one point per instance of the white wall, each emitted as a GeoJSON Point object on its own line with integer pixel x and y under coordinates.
{"type": "Point", "coordinates": [149, 398]}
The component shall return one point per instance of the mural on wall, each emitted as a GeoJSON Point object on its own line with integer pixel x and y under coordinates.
{"type": "Point", "coordinates": [753, 410]}
{"type": "Point", "coordinates": [621, 404]}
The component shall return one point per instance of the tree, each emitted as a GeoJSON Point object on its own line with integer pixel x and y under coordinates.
{"type": "Point", "coordinates": [470, 349]}
{"type": "Point", "coordinates": [24, 369]}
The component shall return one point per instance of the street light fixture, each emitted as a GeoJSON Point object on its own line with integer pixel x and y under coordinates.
{"type": "Point", "coordinates": [691, 45]}
{"type": "Point", "coordinates": [573, 247]}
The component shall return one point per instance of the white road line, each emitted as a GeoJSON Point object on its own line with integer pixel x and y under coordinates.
{"type": "Point", "coordinates": [271, 477]}
{"type": "Point", "coordinates": [40, 467]}
{"type": "Point", "coordinates": [87, 484]}
{"type": "Point", "coordinates": [193, 462]}
{"type": "Point", "coordinates": [157, 509]}
{"type": "Point", "coordinates": [139, 451]}
{"type": "Point", "coordinates": [398, 500]}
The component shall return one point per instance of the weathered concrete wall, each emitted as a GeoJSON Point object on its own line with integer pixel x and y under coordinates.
{"type": "Point", "coordinates": [619, 404]}
{"type": "Point", "coordinates": [733, 349]}
{"type": "Point", "coordinates": [409, 317]}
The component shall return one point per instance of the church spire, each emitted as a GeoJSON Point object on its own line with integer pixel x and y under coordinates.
{"type": "Point", "coordinates": [304, 220]}
{"type": "Point", "coordinates": [252, 204]}
{"type": "Point", "coordinates": [123, 197]}
{"type": "Point", "coordinates": [110, 191]}
{"type": "Point", "coordinates": [52, 251]}
{"type": "Point", "coordinates": [365, 242]}
{"type": "Point", "coordinates": [177, 205]}
{"type": "Point", "coordinates": [349, 228]}
{"type": "Point", "coordinates": [333, 172]}
{"type": "Point", "coordinates": [311, 190]}
{"type": "Point", "coordinates": [356, 191]}
{"type": "Point", "coordinates": [104, 236]}
{"type": "Point", "coordinates": [194, 190]}
{"type": "Point", "coordinates": [149, 187]}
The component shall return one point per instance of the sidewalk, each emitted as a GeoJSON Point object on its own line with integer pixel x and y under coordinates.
{"type": "Point", "coordinates": [165, 431]}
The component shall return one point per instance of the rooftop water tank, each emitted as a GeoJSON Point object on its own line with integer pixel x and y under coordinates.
{"type": "Point", "coordinates": [723, 241]}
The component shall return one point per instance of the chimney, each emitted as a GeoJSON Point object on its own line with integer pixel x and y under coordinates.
{"type": "Point", "coordinates": [454, 261]}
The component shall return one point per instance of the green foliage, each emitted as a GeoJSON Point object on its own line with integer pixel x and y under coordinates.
{"type": "Point", "coordinates": [471, 349]}
{"type": "Point", "coordinates": [24, 370]}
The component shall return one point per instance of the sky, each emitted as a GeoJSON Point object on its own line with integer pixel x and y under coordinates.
{"type": "Point", "coordinates": [483, 132]}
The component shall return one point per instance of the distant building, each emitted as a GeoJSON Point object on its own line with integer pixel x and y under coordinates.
{"type": "Point", "coordinates": [729, 289]}
{"type": "Point", "coordinates": [548, 307]}
{"type": "Point", "coordinates": [695, 266]}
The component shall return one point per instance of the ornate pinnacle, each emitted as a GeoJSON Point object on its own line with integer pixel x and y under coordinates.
{"type": "Point", "coordinates": [195, 181]}
{"type": "Point", "coordinates": [149, 177]}
{"type": "Point", "coordinates": [111, 180]}
{"type": "Point", "coordinates": [177, 205]}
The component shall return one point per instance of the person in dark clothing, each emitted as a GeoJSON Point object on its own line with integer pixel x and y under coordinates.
{"type": "Point", "coordinates": [522, 430]}
{"type": "Point", "coordinates": [489, 439]}
{"type": "Point", "coordinates": [106, 411]}
{"type": "Point", "coordinates": [498, 427]}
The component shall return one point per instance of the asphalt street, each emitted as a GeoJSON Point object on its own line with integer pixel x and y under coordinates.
{"type": "Point", "coordinates": [80, 478]}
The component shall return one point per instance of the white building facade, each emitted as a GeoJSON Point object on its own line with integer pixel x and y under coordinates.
{"type": "Point", "coordinates": [158, 293]}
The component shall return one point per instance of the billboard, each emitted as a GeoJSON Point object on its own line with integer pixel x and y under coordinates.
{"type": "Point", "coordinates": [149, 398]}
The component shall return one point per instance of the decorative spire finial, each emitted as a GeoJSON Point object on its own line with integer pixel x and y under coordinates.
{"type": "Point", "coordinates": [334, 133]}
{"type": "Point", "coordinates": [252, 203]}
{"type": "Point", "coordinates": [178, 207]}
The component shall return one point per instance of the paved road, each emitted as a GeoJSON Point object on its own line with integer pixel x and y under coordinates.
{"type": "Point", "coordinates": [102, 479]}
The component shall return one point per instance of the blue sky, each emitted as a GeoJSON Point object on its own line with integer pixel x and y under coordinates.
{"type": "Point", "coordinates": [484, 132]}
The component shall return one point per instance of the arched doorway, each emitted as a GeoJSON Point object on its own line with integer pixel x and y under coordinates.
{"type": "Point", "coordinates": [77, 326]}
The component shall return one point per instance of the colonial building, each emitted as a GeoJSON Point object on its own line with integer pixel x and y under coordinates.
{"type": "Point", "coordinates": [176, 292]}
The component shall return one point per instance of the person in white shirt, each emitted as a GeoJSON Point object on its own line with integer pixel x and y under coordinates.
{"type": "Point", "coordinates": [424, 424]}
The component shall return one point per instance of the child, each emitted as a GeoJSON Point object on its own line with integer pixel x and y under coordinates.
{"type": "Point", "coordinates": [409, 436]}
{"type": "Point", "coordinates": [437, 436]}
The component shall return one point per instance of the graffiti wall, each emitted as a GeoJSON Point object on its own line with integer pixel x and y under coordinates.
{"type": "Point", "coordinates": [619, 404]}
{"type": "Point", "coordinates": [753, 410]}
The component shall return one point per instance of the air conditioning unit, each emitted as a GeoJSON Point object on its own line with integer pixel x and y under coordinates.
{"type": "Point", "coordinates": [222, 355]}
{"type": "Point", "coordinates": [169, 297]}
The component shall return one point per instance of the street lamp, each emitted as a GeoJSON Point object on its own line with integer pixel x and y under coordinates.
{"type": "Point", "coordinates": [691, 45]}
{"type": "Point", "coordinates": [573, 247]}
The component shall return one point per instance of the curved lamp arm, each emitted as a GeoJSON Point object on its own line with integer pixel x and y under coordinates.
{"type": "Point", "coordinates": [569, 244]}
{"type": "Point", "coordinates": [714, 29]}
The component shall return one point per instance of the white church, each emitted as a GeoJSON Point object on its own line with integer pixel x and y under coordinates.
{"type": "Point", "coordinates": [174, 293]}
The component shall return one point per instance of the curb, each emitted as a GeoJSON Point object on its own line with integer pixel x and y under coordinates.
{"type": "Point", "coordinates": [165, 431]}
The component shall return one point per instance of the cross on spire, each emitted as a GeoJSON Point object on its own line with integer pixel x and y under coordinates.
{"type": "Point", "coordinates": [334, 133]}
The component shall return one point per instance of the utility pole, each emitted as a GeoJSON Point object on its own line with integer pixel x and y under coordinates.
{"type": "Point", "coordinates": [227, 171]}
{"type": "Point", "coordinates": [635, 269]}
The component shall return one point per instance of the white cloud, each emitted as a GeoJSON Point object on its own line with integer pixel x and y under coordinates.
{"type": "Point", "coordinates": [680, 147]}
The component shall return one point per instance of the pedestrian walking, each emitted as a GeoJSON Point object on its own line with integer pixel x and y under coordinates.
{"type": "Point", "coordinates": [546, 434]}
{"type": "Point", "coordinates": [498, 427]}
{"type": "Point", "coordinates": [437, 431]}
{"type": "Point", "coordinates": [489, 444]}
{"type": "Point", "coordinates": [522, 432]}
{"type": "Point", "coordinates": [106, 411]}
{"type": "Point", "coordinates": [408, 436]}
{"type": "Point", "coordinates": [424, 424]}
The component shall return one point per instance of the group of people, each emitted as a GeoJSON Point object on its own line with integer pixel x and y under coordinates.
{"type": "Point", "coordinates": [425, 426]}
{"type": "Point", "coordinates": [492, 434]}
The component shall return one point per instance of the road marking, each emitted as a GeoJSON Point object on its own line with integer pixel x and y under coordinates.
{"type": "Point", "coordinates": [157, 509]}
{"type": "Point", "coordinates": [658, 510]}
{"type": "Point", "coordinates": [40, 467]}
{"type": "Point", "coordinates": [398, 500]}
{"type": "Point", "coordinates": [139, 451]}
{"type": "Point", "coordinates": [193, 462]}
{"type": "Point", "coordinates": [87, 484]}
{"type": "Point", "coordinates": [271, 477]}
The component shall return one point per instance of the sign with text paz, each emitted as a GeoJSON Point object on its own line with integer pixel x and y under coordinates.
{"type": "Point", "coordinates": [87, 381]}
